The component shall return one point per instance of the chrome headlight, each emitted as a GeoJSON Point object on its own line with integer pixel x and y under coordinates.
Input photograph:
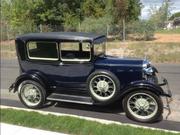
{"type": "Point", "coordinates": [147, 68]}
{"type": "Point", "coordinates": [148, 71]}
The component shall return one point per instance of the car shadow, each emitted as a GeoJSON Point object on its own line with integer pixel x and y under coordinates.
{"type": "Point", "coordinates": [115, 108]}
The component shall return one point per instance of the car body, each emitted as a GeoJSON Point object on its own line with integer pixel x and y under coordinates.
{"type": "Point", "coordinates": [73, 67]}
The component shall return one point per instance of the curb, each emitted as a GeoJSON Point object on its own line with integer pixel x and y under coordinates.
{"type": "Point", "coordinates": [102, 121]}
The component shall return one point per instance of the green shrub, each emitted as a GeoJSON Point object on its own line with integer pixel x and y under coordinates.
{"type": "Point", "coordinates": [97, 25]}
{"type": "Point", "coordinates": [141, 30]}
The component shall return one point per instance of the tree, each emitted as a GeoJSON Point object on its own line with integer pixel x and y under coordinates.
{"type": "Point", "coordinates": [93, 8]}
{"type": "Point", "coordinates": [173, 16]}
{"type": "Point", "coordinates": [15, 14]}
{"type": "Point", "coordinates": [126, 11]}
{"type": "Point", "coordinates": [65, 13]}
{"type": "Point", "coordinates": [161, 14]}
{"type": "Point", "coordinates": [25, 15]}
{"type": "Point", "coordinates": [48, 12]}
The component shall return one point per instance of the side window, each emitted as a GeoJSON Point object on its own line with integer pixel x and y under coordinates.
{"type": "Point", "coordinates": [75, 51]}
{"type": "Point", "coordinates": [42, 50]}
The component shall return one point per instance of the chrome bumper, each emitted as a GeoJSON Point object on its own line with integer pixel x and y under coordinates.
{"type": "Point", "coordinates": [167, 94]}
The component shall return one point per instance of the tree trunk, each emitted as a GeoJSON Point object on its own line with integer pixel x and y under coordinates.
{"type": "Point", "coordinates": [40, 28]}
{"type": "Point", "coordinates": [79, 26]}
{"type": "Point", "coordinates": [124, 30]}
{"type": "Point", "coordinates": [107, 30]}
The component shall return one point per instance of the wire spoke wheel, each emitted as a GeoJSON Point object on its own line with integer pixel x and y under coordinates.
{"type": "Point", "coordinates": [102, 87]}
{"type": "Point", "coordinates": [142, 106]}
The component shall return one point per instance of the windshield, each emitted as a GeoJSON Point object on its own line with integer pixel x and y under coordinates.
{"type": "Point", "coordinates": [100, 49]}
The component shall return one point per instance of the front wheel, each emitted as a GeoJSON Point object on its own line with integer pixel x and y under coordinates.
{"type": "Point", "coordinates": [31, 94]}
{"type": "Point", "coordinates": [143, 106]}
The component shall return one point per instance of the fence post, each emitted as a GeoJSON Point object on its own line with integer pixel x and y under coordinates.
{"type": "Point", "coordinates": [124, 30]}
{"type": "Point", "coordinates": [107, 30]}
{"type": "Point", "coordinates": [40, 27]}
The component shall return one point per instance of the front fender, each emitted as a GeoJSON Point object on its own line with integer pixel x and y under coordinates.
{"type": "Point", "coordinates": [32, 75]}
{"type": "Point", "coordinates": [145, 85]}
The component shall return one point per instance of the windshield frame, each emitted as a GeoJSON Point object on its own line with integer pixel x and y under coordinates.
{"type": "Point", "coordinates": [103, 52]}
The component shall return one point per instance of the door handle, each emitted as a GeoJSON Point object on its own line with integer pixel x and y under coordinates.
{"type": "Point", "coordinates": [62, 64]}
{"type": "Point", "coordinates": [58, 64]}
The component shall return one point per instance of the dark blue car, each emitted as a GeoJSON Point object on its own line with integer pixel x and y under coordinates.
{"type": "Point", "coordinates": [73, 67]}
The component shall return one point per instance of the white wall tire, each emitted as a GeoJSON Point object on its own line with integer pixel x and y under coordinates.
{"type": "Point", "coordinates": [143, 106]}
{"type": "Point", "coordinates": [31, 94]}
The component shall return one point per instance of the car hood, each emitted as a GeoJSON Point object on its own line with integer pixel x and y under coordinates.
{"type": "Point", "coordinates": [120, 61]}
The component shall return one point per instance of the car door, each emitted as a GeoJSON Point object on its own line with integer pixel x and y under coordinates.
{"type": "Point", "coordinates": [75, 66]}
{"type": "Point", "coordinates": [73, 75]}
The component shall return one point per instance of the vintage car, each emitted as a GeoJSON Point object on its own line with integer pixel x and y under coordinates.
{"type": "Point", "coordinates": [73, 67]}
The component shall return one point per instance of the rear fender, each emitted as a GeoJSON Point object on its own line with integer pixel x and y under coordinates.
{"type": "Point", "coordinates": [142, 85]}
{"type": "Point", "coordinates": [31, 75]}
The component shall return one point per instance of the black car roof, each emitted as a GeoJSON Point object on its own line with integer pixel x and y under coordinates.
{"type": "Point", "coordinates": [64, 36]}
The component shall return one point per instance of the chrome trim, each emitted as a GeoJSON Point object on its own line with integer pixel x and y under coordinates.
{"type": "Point", "coordinates": [70, 95]}
{"type": "Point", "coordinates": [145, 63]}
{"type": "Point", "coordinates": [127, 65]}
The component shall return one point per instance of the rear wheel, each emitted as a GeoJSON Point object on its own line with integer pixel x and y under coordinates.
{"type": "Point", "coordinates": [143, 106]}
{"type": "Point", "coordinates": [31, 94]}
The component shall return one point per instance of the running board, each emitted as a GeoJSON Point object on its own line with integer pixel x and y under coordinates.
{"type": "Point", "coordinates": [70, 98]}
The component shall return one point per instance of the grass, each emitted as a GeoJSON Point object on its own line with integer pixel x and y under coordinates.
{"type": "Point", "coordinates": [156, 52]}
{"type": "Point", "coordinates": [172, 31]}
{"type": "Point", "coordinates": [70, 125]}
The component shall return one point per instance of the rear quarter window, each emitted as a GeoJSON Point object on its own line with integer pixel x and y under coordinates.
{"type": "Point", "coordinates": [42, 50]}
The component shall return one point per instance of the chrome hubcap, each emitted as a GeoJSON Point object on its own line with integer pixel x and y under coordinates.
{"type": "Point", "coordinates": [102, 87]}
{"type": "Point", "coordinates": [30, 94]}
{"type": "Point", "coordinates": [142, 105]}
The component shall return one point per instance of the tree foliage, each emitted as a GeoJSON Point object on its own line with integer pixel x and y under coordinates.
{"type": "Point", "coordinates": [173, 16]}
{"type": "Point", "coordinates": [93, 8]}
{"type": "Point", "coordinates": [23, 16]}
{"type": "Point", "coordinates": [142, 29]}
{"type": "Point", "coordinates": [16, 13]}
{"type": "Point", "coordinates": [161, 14]}
{"type": "Point", "coordinates": [127, 9]}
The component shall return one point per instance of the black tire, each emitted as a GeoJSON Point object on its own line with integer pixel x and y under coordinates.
{"type": "Point", "coordinates": [111, 77]}
{"type": "Point", "coordinates": [41, 90]}
{"type": "Point", "coordinates": [158, 103]}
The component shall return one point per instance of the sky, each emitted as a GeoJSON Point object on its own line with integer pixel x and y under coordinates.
{"type": "Point", "coordinates": [175, 6]}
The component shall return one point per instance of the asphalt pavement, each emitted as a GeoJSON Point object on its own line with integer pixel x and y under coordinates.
{"type": "Point", "coordinates": [9, 71]}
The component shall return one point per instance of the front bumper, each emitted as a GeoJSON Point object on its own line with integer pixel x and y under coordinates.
{"type": "Point", "coordinates": [167, 94]}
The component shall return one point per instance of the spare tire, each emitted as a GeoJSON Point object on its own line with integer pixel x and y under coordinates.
{"type": "Point", "coordinates": [103, 86]}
